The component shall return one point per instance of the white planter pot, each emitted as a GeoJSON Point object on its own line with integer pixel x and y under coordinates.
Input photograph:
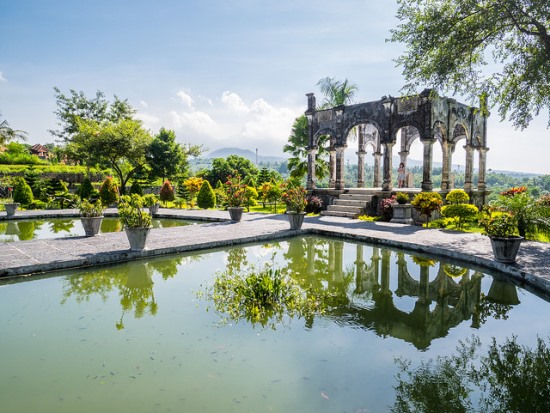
{"type": "Point", "coordinates": [295, 219]}
{"type": "Point", "coordinates": [91, 225]}
{"type": "Point", "coordinates": [137, 238]}
{"type": "Point", "coordinates": [11, 208]}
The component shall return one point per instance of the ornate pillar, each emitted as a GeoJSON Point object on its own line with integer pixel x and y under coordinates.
{"type": "Point", "coordinates": [361, 157]}
{"type": "Point", "coordinates": [311, 158]}
{"type": "Point", "coordinates": [332, 167]}
{"type": "Point", "coordinates": [340, 168]}
{"type": "Point", "coordinates": [376, 183]}
{"type": "Point", "coordinates": [469, 168]}
{"type": "Point", "coordinates": [482, 168]}
{"type": "Point", "coordinates": [427, 184]}
{"type": "Point", "coordinates": [387, 182]}
{"type": "Point", "coordinates": [446, 167]}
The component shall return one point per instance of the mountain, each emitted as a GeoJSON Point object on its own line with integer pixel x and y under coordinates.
{"type": "Point", "coordinates": [245, 153]}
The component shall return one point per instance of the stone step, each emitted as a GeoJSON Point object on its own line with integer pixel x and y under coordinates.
{"type": "Point", "coordinates": [345, 208]}
{"type": "Point", "coordinates": [338, 214]}
{"type": "Point", "coordinates": [350, 202]}
{"type": "Point", "coordinates": [358, 197]}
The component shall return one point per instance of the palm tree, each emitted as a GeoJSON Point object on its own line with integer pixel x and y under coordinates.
{"type": "Point", "coordinates": [8, 134]}
{"type": "Point", "coordinates": [298, 141]}
{"type": "Point", "coordinates": [336, 93]}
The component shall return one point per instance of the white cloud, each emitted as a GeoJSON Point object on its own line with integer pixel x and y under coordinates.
{"type": "Point", "coordinates": [144, 103]}
{"type": "Point", "coordinates": [2, 78]}
{"type": "Point", "coordinates": [186, 99]}
{"type": "Point", "coordinates": [199, 122]}
{"type": "Point", "coordinates": [150, 121]}
{"type": "Point", "coordinates": [234, 102]}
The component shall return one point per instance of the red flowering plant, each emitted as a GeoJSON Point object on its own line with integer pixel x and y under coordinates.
{"type": "Point", "coordinates": [294, 197]}
{"type": "Point", "coordinates": [385, 208]}
{"type": "Point", "coordinates": [516, 190]}
{"type": "Point", "coordinates": [235, 191]}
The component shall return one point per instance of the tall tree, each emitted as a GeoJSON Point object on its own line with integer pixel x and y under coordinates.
{"type": "Point", "coordinates": [166, 157]}
{"type": "Point", "coordinates": [77, 107]}
{"type": "Point", "coordinates": [121, 145]}
{"type": "Point", "coordinates": [336, 92]}
{"type": "Point", "coordinates": [8, 134]}
{"type": "Point", "coordinates": [449, 44]}
{"type": "Point", "coordinates": [223, 167]}
{"type": "Point", "coordinates": [297, 144]}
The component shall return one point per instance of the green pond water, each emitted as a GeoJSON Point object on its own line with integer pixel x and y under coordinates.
{"type": "Point", "coordinates": [27, 229]}
{"type": "Point", "coordinates": [140, 337]}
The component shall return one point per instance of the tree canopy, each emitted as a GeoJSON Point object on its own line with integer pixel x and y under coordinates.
{"type": "Point", "coordinates": [450, 44]}
{"type": "Point", "coordinates": [336, 92]}
{"type": "Point", "coordinates": [120, 145]}
{"type": "Point", "coordinates": [8, 134]}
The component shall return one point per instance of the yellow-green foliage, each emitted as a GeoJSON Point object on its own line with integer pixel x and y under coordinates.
{"type": "Point", "coordinates": [457, 196]}
{"type": "Point", "coordinates": [427, 202]}
{"type": "Point", "coordinates": [206, 197]}
{"type": "Point", "coordinates": [462, 213]}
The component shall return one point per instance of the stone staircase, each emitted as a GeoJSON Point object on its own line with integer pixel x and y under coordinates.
{"type": "Point", "coordinates": [350, 204]}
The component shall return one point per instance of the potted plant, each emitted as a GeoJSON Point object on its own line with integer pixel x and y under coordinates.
{"type": "Point", "coordinates": [9, 205]}
{"type": "Point", "coordinates": [235, 193]}
{"type": "Point", "coordinates": [295, 200]}
{"type": "Point", "coordinates": [426, 203]}
{"type": "Point", "coordinates": [402, 211]}
{"type": "Point", "coordinates": [137, 222]}
{"type": "Point", "coordinates": [152, 202]}
{"type": "Point", "coordinates": [402, 198]}
{"type": "Point", "coordinates": [501, 227]}
{"type": "Point", "coordinates": [91, 215]}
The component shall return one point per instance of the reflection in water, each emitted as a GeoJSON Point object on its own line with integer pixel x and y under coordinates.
{"type": "Point", "coordinates": [359, 294]}
{"type": "Point", "coordinates": [27, 229]}
{"type": "Point", "coordinates": [509, 378]}
{"type": "Point", "coordinates": [133, 281]}
{"type": "Point", "coordinates": [441, 303]}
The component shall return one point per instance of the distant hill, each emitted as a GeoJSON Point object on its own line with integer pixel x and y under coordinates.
{"type": "Point", "coordinates": [245, 153]}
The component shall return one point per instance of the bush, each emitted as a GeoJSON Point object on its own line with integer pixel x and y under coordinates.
{"type": "Point", "coordinates": [86, 189]}
{"type": "Point", "coordinates": [426, 203]}
{"type": "Point", "coordinates": [385, 208]}
{"type": "Point", "coordinates": [108, 193]}
{"type": "Point", "coordinates": [457, 196]}
{"type": "Point", "coordinates": [462, 213]}
{"type": "Point", "coordinates": [206, 197]}
{"type": "Point", "coordinates": [401, 198]}
{"type": "Point", "coordinates": [136, 188]}
{"type": "Point", "coordinates": [314, 205]}
{"type": "Point", "coordinates": [22, 192]}
{"type": "Point", "coordinates": [166, 192]}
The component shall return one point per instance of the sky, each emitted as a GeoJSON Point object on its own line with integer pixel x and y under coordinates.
{"type": "Point", "coordinates": [220, 73]}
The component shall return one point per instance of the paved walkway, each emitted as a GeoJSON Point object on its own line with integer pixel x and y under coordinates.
{"type": "Point", "coordinates": [37, 256]}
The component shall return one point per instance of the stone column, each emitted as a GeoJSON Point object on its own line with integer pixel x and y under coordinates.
{"type": "Point", "coordinates": [446, 168]}
{"type": "Point", "coordinates": [361, 157]}
{"type": "Point", "coordinates": [482, 169]}
{"type": "Point", "coordinates": [427, 184]}
{"type": "Point", "coordinates": [332, 167]}
{"type": "Point", "coordinates": [361, 169]}
{"type": "Point", "coordinates": [469, 169]}
{"type": "Point", "coordinates": [340, 168]}
{"type": "Point", "coordinates": [311, 158]}
{"type": "Point", "coordinates": [387, 182]}
{"type": "Point", "coordinates": [376, 181]}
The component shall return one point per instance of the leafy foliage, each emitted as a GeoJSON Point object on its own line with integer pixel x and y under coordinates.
{"type": "Point", "coordinates": [206, 197]}
{"type": "Point", "coordinates": [108, 193]}
{"type": "Point", "coordinates": [427, 202]}
{"type": "Point", "coordinates": [22, 192]}
{"type": "Point", "coordinates": [498, 223]}
{"type": "Point", "coordinates": [448, 43]}
{"type": "Point", "coordinates": [88, 209]}
{"type": "Point", "coordinates": [131, 212]}
{"type": "Point", "coordinates": [385, 208]}
{"type": "Point", "coordinates": [262, 296]}
{"type": "Point", "coordinates": [462, 213]}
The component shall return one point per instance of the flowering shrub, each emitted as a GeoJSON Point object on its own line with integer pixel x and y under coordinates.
{"type": "Point", "coordinates": [314, 205]}
{"type": "Point", "coordinates": [235, 191]}
{"type": "Point", "coordinates": [498, 223]}
{"type": "Point", "coordinates": [385, 208]}
{"type": "Point", "coordinates": [295, 199]}
{"type": "Point", "coordinates": [516, 190]}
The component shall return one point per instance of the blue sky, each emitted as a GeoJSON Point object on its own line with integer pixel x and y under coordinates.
{"type": "Point", "coordinates": [220, 73]}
